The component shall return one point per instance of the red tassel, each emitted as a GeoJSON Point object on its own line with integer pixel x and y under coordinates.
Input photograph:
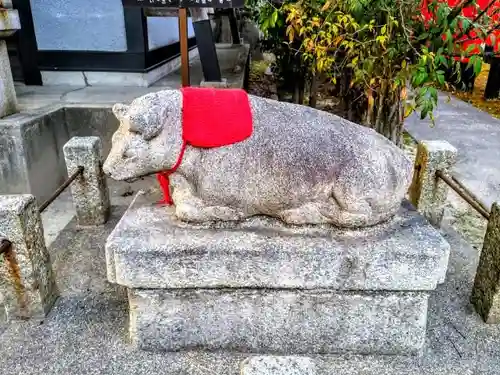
{"type": "Point", "coordinates": [164, 185]}
{"type": "Point", "coordinates": [163, 177]}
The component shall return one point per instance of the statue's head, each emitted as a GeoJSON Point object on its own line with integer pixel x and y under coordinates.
{"type": "Point", "coordinates": [148, 138]}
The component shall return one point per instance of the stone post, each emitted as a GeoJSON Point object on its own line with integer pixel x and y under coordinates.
{"type": "Point", "coordinates": [215, 84]}
{"type": "Point", "coordinates": [26, 278]}
{"type": "Point", "coordinates": [486, 291]}
{"type": "Point", "coordinates": [427, 192]}
{"type": "Point", "coordinates": [9, 24]}
{"type": "Point", "coordinates": [89, 190]}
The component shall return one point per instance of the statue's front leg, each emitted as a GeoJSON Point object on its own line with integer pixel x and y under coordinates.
{"type": "Point", "coordinates": [189, 207]}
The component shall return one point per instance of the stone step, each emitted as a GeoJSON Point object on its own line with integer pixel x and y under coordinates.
{"type": "Point", "coordinates": [278, 321]}
{"type": "Point", "coordinates": [274, 365]}
{"type": "Point", "coordinates": [350, 365]}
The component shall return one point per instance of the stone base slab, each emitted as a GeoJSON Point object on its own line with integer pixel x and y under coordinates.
{"type": "Point", "coordinates": [151, 249]}
{"type": "Point", "coordinates": [278, 321]}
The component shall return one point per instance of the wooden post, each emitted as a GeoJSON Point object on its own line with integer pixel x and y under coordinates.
{"type": "Point", "coordinates": [183, 39]}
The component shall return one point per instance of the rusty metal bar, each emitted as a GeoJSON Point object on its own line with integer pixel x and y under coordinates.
{"type": "Point", "coordinates": [5, 245]}
{"type": "Point", "coordinates": [464, 188]}
{"type": "Point", "coordinates": [60, 189]}
{"type": "Point", "coordinates": [465, 193]}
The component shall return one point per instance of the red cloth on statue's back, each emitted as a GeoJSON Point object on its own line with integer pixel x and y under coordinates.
{"type": "Point", "coordinates": [215, 117]}
{"type": "Point", "coordinates": [210, 118]}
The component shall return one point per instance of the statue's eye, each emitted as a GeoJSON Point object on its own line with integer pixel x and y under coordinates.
{"type": "Point", "coordinates": [127, 152]}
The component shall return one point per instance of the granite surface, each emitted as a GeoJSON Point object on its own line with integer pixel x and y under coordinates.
{"type": "Point", "coordinates": [301, 165]}
{"type": "Point", "coordinates": [149, 248]}
{"type": "Point", "coordinates": [8, 100]}
{"type": "Point", "coordinates": [90, 191]}
{"type": "Point", "coordinates": [274, 365]}
{"type": "Point", "coordinates": [27, 281]}
{"type": "Point", "coordinates": [486, 291]}
{"type": "Point", "coordinates": [427, 192]}
{"type": "Point", "coordinates": [9, 19]}
{"type": "Point", "coordinates": [278, 321]}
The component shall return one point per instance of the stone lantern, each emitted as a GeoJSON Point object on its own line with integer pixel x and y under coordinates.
{"type": "Point", "coordinates": [9, 24]}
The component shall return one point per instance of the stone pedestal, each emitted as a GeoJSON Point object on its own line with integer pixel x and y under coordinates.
{"type": "Point", "coordinates": [262, 287]}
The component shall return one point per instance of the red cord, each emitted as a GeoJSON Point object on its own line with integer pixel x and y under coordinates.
{"type": "Point", "coordinates": [163, 177]}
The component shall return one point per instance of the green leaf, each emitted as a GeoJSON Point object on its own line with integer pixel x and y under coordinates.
{"type": "Point", "coordinates": [274, 17]}
{"type": "Point", "coordinates": [470, 48]}
{"type": "Point", "coordinates": [408, 110]}
{"type": "Point", "coordinates": [465, 23]}
{"type": "Point", "coordinates": [384, 29]}
{"type": "Point", "coordinates": [440, 78]}
{"type": "Point", "coordinates": [471, 61]}
{"type": "Point", "coordinates": [434, 93]}
{"type": "Point", "coordinates": [423, 36]}
{"type": "Point", "coordinates": [433, 120]}
{"type": "Point", "coordinates": [420, 78]}
{"type": "Point", "coordinates": [424, 113]}
{"type": "Point", "coordinates": [478, 64]}
{"type": "Point", "coordinates": [422, 92]}
{"type": "Point", "coordinates": [443, 61]}
{"type": "Point", "coordinates": [449, 37]}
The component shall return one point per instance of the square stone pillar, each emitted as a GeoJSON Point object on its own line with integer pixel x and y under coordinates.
{"type": "Point", "coordinates": [89, 190]}
{"type": "Point", "coordinates": [427, 192]}
{"type": "Point", "coordinates": [26, 276]}
{"type": "Point", "coordinates": [486, 291]}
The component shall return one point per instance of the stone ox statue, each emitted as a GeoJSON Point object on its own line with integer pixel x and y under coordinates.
{"type": "Point", "coordinates": [300, 165]}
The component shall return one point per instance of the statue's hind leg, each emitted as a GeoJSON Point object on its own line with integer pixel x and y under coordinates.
{"type": "Point", "coordinates": [309, 213]}
{"type": "Point", "coordinates": [342, 208]}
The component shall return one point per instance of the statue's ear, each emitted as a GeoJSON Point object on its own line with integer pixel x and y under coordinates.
{"type": "Point", "coordinates": [120, 111]}
{"type": "Point", "coordinates": [148, 124]}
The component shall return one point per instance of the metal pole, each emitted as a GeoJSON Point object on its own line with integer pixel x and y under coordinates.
{"type": "Point", "coordinates": [464, 188]}
{"type": "Point", "coordinates": [461, 190]}
{"type": "Point", "coordinates": [183, 38]}
{"type": "Point", "coordinates": [60, 189]}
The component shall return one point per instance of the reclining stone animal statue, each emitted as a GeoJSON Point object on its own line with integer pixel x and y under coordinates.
{"type": "Point", "coordinates": [300, 165]}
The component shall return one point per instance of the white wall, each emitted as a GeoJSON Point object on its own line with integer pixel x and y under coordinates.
{"type": "Point", "coordinates": [163, 31]}
{"type": "Point", "coordinates": [79, 25]}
